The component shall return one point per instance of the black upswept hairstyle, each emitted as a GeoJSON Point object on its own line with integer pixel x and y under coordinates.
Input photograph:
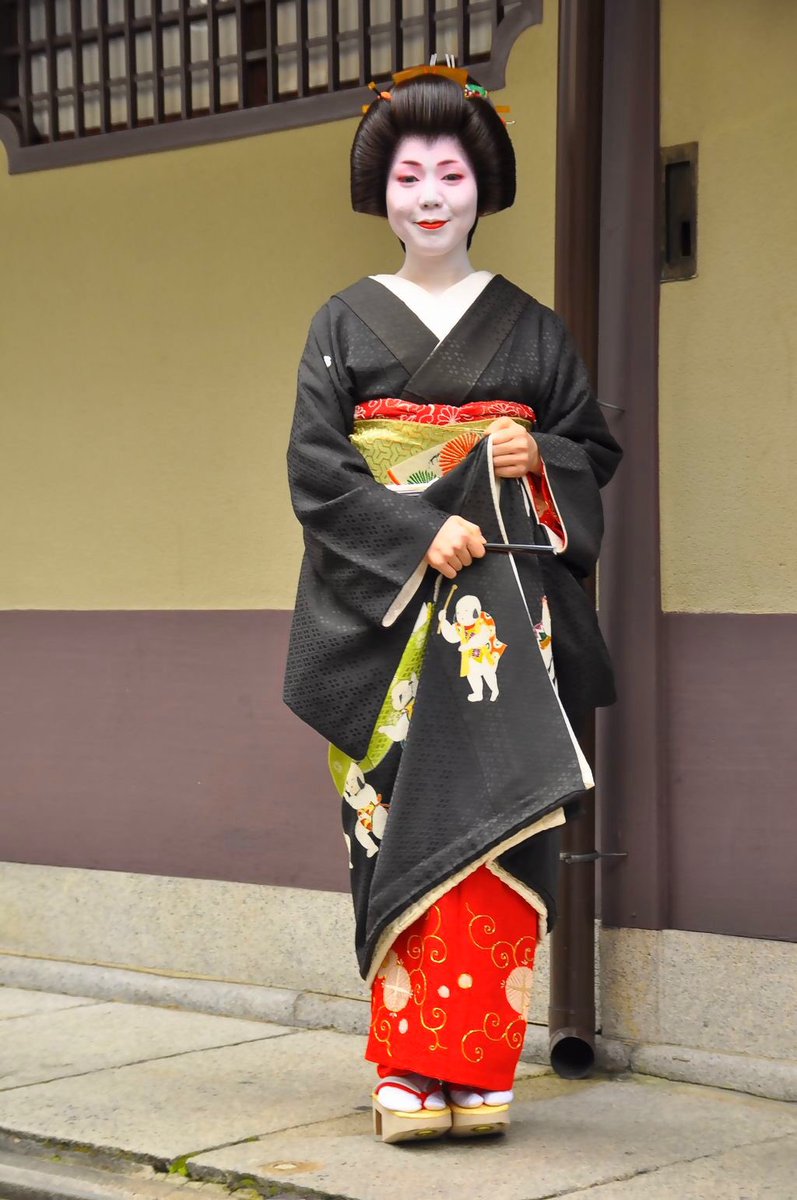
{"type": "Point", "coordinates": [432, 106]}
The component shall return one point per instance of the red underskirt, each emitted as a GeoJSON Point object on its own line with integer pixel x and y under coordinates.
{"type": "Point", "coordinates": [452, 995]}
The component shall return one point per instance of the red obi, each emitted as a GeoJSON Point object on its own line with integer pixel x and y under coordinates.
{"type": "Point", "coordinates": [389, 408]}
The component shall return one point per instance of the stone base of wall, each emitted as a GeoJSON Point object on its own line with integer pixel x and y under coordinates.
{"type": "Point", "coordinates": [719, 994]}
{"type": "Point", "coordinates": [278, 937]}
{"type": "Point", "coordinates": [697, 1007]}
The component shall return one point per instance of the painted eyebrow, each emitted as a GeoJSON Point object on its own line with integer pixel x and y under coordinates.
{"type": "Point", "coordinates": [447, 162]}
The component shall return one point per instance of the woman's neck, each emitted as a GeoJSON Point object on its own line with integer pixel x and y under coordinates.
{"type": "Point", "coordinates": [436, 275]}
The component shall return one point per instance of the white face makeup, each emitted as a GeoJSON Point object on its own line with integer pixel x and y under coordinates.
{"type": "Point", "coordinates": [432, 196]}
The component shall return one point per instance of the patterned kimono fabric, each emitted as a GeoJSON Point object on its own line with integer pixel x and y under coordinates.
{"type": "Point", "coordinates": [450, 879]}
{"type": "Point", "coordinates": [451, 998]}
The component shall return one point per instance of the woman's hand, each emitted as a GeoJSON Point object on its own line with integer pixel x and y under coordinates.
{"type": "Point", "coordinates": [455, 546]}
{"type": "Point", "coordinates": [515, 452]}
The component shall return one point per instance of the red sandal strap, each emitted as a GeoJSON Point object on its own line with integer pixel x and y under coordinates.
{"type": "Point", "coordinates": [393, 1081]}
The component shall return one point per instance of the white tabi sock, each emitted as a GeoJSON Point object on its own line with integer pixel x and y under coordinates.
{"type": "Point", "coordinates": [465, 1097]}
{"type": "Point", "coordinates": [400, 1100]}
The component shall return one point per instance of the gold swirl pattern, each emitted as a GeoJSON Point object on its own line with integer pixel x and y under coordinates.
{"type": "Point", "coordinates": [525, 951]}
{"type": "Point", "coordinates": [493, 1029]}
{"type": "Point", "coordinates": [405, 981]}
{"type": "Point", "coordinates": [516, 957]}
{"type": "Point", "coordinates": [381, 1029]}
{"type": "Point", "coordinates": [439, 1015]}
{"type": "Point", "coordinates": [481, 929]}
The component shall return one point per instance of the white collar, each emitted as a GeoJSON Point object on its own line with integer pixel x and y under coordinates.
{"type": "Point", "coordinates": [439, 312]}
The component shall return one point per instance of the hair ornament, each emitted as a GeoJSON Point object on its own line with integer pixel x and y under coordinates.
{"type": "Point", "coordinates": [458, 74]}
{"type": "Point", "coordinates": [381, 95]}
{"type": "Point", "coordinates": [449, 71]}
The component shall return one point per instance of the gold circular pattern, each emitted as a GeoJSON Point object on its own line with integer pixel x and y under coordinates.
{"type": "Point", "coordinates": [465, 981]}
{"type": "Point", "coordinates": [518, 989]}
{"type": "Point", "coordinates": [397, 985]}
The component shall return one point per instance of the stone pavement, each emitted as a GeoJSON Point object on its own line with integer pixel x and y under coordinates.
{"type": "Point", "coordinates": [160, 1100]}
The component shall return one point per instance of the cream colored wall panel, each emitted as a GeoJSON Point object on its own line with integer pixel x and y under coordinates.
{"type": "Point", "coordinates": [152, 314]}
{"type": "Point", "coordinates": [155, 316]}
{"type": "Point", "coordinates": [729, 337]}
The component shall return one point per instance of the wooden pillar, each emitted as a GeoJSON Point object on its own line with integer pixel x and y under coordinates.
{"type": "Point", "coordinates": [632, 734]}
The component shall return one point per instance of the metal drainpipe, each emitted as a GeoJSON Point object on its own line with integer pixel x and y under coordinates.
{"type": "Point", "coordinates": [578, 189]}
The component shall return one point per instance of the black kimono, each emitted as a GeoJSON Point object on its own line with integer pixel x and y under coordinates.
{"type": "Point", "coordinates": [446, 714]}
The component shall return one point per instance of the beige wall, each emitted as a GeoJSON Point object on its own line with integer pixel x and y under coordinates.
{"type": "Point", "coordinates": [152, 313]}
{"type": "Point", "coordinates": [729, 337]}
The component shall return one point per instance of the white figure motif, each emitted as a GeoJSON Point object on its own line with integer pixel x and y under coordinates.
{"type": "Point", "coordinates": [479, 646]}
{"type": "Point", "coordinates": [371, 812]}
{"type": "Point", "coordinates": [402, 698]}
{"type": "Point", "coordinates": [543, 632]}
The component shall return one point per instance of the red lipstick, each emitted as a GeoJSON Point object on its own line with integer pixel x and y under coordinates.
{"type": "Point", "coordinates": [432, 224]}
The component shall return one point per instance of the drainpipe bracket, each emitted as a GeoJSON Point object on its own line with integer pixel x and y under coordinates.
{"type": "Point", "coordinates": [593, 856]}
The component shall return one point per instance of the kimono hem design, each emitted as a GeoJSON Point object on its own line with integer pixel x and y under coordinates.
{"type": "Point", "coordinates": [451, 998]}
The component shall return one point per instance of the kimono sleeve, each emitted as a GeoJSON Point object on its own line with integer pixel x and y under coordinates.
{"type": "Point", "coordinates": [365, 541]}
{"type": "Point", "coordinates": [578, 452]}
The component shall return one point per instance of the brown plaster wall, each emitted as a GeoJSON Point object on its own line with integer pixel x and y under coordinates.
{"type": "Point", "coordinates": [731, 764]}
{"type": "Point", "coordinates": [158, 742]}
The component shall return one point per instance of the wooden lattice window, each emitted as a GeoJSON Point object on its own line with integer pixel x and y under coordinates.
{"type": "Point", "coordinates": [82, 80]}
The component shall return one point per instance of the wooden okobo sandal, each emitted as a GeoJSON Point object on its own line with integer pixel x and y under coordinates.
{"type": "Point", "coordinates": [392, 1125]}
{"type": "Point", "coordinates": [476, 1120]}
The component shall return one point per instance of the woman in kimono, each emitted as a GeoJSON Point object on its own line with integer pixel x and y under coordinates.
{"type": "Point", "coordinates": [445, 461]}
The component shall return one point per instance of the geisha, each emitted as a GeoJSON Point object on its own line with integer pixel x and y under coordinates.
{"type": "Point", "coordinates": [443, 415]}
